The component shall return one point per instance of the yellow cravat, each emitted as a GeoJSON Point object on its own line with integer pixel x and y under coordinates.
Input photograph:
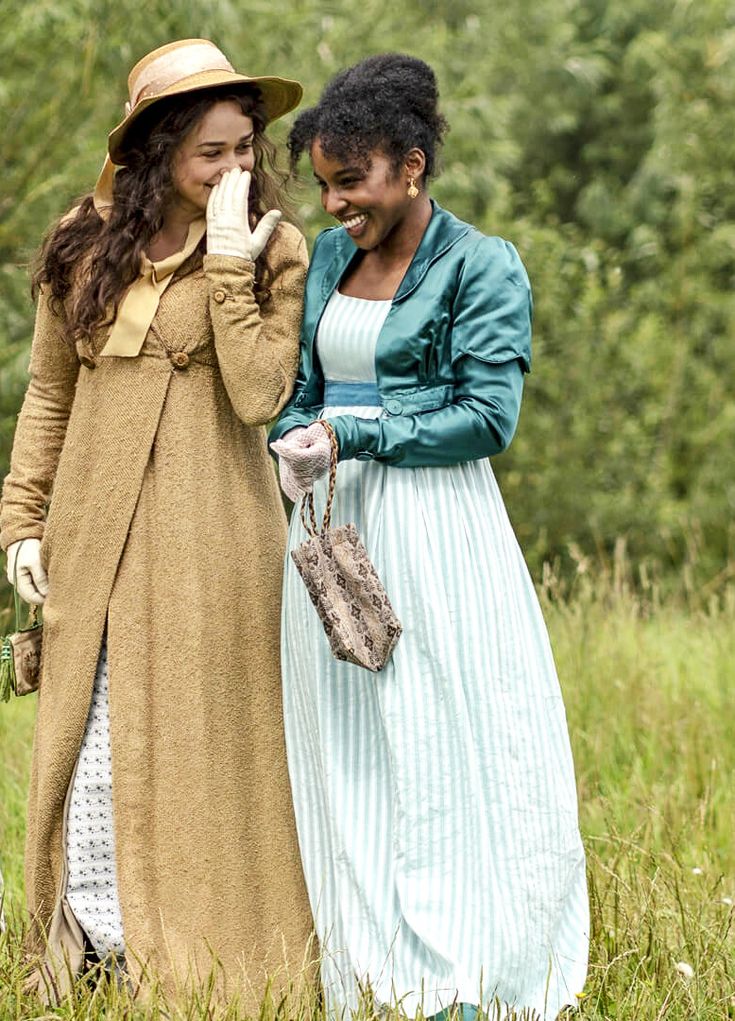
{"type": "Point", "coordinates": [138, 308]}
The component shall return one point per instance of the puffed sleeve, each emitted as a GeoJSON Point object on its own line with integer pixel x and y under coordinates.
{"type": "Point", "coordinates": [490, 351]}
{"type": "Point", "coordinates": [41, 428]}
{"type": "Point", "coordinates": [492, 311]}
{"type": "Point", "coordinates": [258, 348]}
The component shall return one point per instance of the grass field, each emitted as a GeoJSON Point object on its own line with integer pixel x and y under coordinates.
{"type": "Point", "coordinates": [650, 694]}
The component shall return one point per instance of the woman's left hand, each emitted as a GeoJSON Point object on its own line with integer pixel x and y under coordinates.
{"type": "Point", "coordinates": [306, 453]}
{"type": "Point", "coordinates": [228, 228]}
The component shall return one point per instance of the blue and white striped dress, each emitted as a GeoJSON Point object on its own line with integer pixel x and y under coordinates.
{"type": "Point", "coordinates": [435, 800]}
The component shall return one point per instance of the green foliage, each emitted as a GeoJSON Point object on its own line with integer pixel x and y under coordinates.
{"type": "Point", "coordinates": [650, 704]}
{"type": "Point", "coordinates": [598, 136]}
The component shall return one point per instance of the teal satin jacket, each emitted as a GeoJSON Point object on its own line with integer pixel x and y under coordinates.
{"type": "Point", "coordinates": [450, 357]}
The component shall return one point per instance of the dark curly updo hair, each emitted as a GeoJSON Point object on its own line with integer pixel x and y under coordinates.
{"type": "Point", "coordinates": [388, 102]}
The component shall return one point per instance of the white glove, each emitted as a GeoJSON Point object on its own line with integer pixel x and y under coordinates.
{"type": "Point", "coordinates": [32, 579]}
{"type": "Point", "coordinates": [228, 228]}
{"type": "Point", "coordinates": [286, 477]}
{"type": "Point", "coordinates": [303, 457]}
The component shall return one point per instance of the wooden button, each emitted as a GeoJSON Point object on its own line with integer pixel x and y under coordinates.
{"type": "Point", "coordinates": [219, 296]}
{"type": "Point", "coordinates": [88, 361]}
{"type": "Point", "coordinates": [179, 359]}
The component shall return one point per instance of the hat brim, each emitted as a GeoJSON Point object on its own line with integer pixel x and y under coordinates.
{"type": "Point", "coordinates": [279, 96]}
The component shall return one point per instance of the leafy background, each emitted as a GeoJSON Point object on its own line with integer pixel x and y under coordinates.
{"type": "Point", "coordinates": [598, 136]}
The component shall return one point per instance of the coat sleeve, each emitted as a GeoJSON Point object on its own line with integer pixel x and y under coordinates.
{"type": "Point", "coordinates": [303, 407]}
{"type": "Point", "coordinates": [258, 348]}
{"type": "Point", "coordinates": [41, 428]}
{"type": "Point", "coordinates": [299, 411]}
{"type": "Point", "coordinates": [490, 351]}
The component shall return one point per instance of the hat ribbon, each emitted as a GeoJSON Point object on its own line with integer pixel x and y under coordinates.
{"type": "Point", "coordinates": [140, 304]}
{"type": "Point", "coordinates": [102, 196]}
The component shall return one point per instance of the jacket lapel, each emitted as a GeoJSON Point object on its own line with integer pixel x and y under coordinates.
{"type": "Point", "coordinates": [442, 231]}
{"type": "Point", "coordinates": [345, 250]}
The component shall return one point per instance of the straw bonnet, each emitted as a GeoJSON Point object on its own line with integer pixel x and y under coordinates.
{"type": "Point", "coordinates": [187, 66]}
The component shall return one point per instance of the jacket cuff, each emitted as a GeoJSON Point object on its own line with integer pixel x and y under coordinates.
{"type": "Point", "coordinates": [357, 437]}
{"type": "Point", "coordinates": [228, 275]}
{"type": "Point", "coordinates": [10, 535]}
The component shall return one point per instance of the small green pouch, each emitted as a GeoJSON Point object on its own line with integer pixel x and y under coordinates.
{"type": "Point", "coordinates": [20, 652]}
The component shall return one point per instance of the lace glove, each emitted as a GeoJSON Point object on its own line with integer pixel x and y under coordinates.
{"type": "Point", "coordinates": [305, 454]}
{"type": "Point", "coordinates": [285, 475]}
{"type": "Point", "coordinates": [32, 579]}
{"type": "Point", "coordinates": [228, 227]}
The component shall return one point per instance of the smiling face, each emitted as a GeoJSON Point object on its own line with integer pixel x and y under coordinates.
{"type": "Point", "coordinates": [221, 140]}
{"type": "Point", "coordinates": [369, 197]}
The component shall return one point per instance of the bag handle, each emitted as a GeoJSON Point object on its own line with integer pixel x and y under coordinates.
{"type": "Point", "coordinates": [33, 609]}
{"type": "Point", "coordinates": [307, 504]}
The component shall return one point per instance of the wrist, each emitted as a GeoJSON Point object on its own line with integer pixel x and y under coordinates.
{"type": "Point", "coordinates": [230, 251]}
{"type": "Point", "coordinates": [229, 277]}
{"type": "Point", "coordinates": [356, 437]}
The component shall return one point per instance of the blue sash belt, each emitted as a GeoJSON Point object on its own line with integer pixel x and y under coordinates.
{"type": "Point", "coordinates": [345, 395]}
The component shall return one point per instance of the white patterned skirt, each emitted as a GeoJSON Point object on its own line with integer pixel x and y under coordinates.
{"type": "Point", "coordinates": [92, 876]}
{"type": "Point", "coordinates": [435, 800]}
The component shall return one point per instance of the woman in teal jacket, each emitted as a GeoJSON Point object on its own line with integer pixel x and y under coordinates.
{"type": "Point", "coordinates": [456, 343]}
{"type": "Point", "coordinates": [435, 800]}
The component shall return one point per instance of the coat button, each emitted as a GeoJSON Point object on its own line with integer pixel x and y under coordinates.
{"type": "Point", "coordinates": [393, 407]}
{"type": "Point", "coordinates": [88, 361]}
{"type": "Point", "coordinates": [179, 359]}
{"type": "Point", "coordinates": [219, 296]}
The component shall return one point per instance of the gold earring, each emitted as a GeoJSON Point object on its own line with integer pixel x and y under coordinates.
{"type": "Point", "coordinates": [412, 189]}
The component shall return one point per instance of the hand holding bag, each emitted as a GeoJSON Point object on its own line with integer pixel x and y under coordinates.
{"type": "Point", "coordinates": [358, 619]}
{"type": "Point", "coordinates": [20, 652]}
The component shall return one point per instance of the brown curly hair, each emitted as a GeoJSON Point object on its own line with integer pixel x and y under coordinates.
{"type": "Point", "coordinates": [87, 262]}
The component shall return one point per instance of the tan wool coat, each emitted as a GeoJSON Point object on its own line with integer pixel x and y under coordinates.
{"type": "Point", "coordinates": [166, 527]}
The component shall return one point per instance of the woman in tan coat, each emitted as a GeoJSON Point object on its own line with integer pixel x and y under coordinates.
{"type": "Point", "coordinates": [166, 337]}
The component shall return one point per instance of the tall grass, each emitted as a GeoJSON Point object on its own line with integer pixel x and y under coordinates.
{"type": "Point", "coordinates": [648, 683]}
{"type": "Point", "coordinates": [650, 694]}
